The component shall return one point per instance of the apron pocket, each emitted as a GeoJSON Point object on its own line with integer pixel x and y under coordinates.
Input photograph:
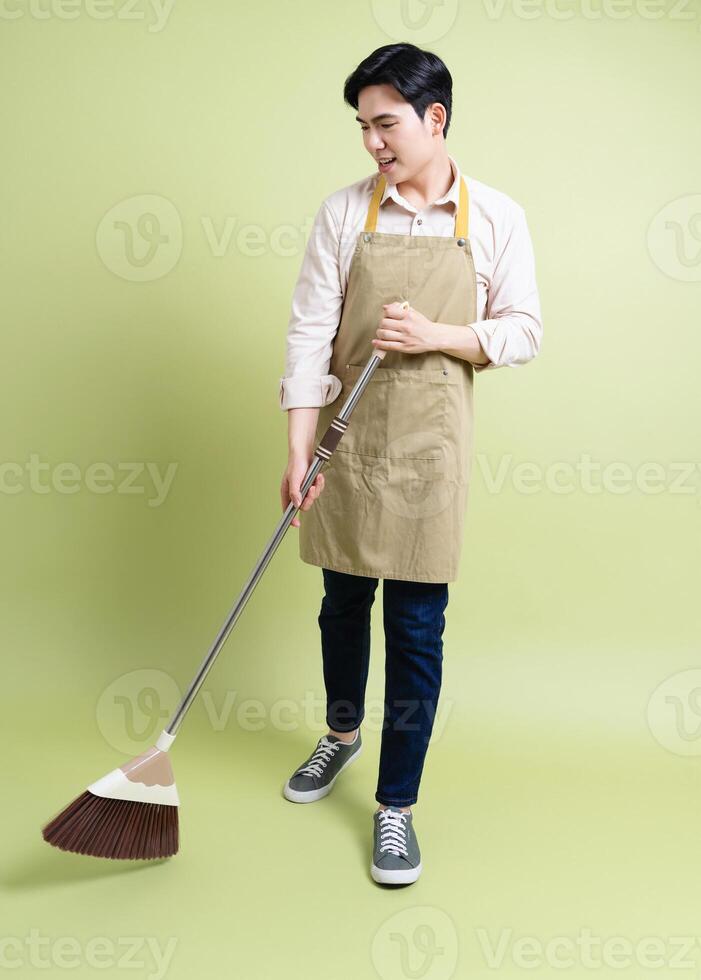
{"type": "Point", "coordinates": [400, 415]}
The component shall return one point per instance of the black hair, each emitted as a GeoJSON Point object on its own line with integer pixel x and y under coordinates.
{"type": "Point", "coordinates": [419, 76]}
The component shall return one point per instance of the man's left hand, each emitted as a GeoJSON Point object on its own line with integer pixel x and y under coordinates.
{"type": "Point", "coordinates": [407, 331]}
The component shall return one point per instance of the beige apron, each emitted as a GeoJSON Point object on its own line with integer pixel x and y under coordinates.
{"type": "Point", "coordinates": [396, 486]}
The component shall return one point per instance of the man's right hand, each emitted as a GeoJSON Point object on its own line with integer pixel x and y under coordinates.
{"type": "Point", "coordinates": [297, 466]}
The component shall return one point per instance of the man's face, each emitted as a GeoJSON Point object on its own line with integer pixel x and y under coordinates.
{"type": "Point", "coordinates": [391, 128]}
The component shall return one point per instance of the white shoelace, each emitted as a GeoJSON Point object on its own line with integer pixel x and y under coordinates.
{"type": "Point", "coordinates": [393, 832]}
{"type": "Point", "coordinates": [318, 761]}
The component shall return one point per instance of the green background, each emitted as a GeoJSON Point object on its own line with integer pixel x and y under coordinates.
{"type": "Point", "coordinates": [561, 788]}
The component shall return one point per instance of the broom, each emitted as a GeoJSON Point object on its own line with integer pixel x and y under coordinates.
{"type": "Point", "coordinates": [132, 812]}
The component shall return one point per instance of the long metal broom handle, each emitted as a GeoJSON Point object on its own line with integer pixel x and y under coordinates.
{"type": "Point", "coordinates": [322, 454]}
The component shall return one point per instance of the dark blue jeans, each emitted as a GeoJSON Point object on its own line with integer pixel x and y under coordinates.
{"type": "Point", "coordinates": [413, 614]}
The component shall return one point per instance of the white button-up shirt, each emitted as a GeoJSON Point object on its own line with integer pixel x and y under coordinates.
{"type": "Point", "coordinates": [508, 323]}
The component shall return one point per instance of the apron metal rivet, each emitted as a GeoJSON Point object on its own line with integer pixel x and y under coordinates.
{"type": "Point", "coordinates": [461, 241]}
{"type": "Point", "coordinates": [366, 236]}
{"type": "Point", "coordinates": [444, 371]}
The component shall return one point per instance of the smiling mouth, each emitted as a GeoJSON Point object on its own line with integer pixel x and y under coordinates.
{"type": "Point", "coordinates": [386, 159]}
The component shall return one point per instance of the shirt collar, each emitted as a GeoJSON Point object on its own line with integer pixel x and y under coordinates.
{"type": "Point", "coordinates": [452, 196]}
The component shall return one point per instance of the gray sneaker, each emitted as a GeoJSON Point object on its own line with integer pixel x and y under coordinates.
{"type": "Point", "coordinates": [317, 774]}
{"type": "Point", "coordinates": [396, 857]}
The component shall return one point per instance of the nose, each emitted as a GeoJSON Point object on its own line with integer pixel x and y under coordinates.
{"type": "Point", "coordinates": [375, 142]}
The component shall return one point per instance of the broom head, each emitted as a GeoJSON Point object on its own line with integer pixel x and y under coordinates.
{"type": "Point", "coordinates": [130, 813]}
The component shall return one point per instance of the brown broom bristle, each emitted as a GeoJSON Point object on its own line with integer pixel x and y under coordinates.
{"type": "Point", "coordinates": [111, 828]}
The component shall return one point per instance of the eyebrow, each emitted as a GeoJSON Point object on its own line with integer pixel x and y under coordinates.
{"type": "Point", "coordinates": [383, 115]}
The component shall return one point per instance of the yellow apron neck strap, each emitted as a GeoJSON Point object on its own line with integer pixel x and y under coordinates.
{"type": "Point", "coordinates": [371, 220]}
{"type": "Point", "coordinates": [461, 218]}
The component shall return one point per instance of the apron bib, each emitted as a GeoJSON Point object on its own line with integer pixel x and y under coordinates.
{"type": "Point", "coordinates": [396, 486]}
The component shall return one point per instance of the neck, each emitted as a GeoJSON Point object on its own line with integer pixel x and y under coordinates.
{"type": "Point", "coordinates": [431, 182]}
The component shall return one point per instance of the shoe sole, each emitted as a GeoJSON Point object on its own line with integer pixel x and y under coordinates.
{"type": "Point", "coordinates": [395, 877]}
{"type": "Point", "coordinates": [311, 795]}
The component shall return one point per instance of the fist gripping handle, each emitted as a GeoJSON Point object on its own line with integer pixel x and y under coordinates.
{"type": "Point", "coordinates": [339, 424]}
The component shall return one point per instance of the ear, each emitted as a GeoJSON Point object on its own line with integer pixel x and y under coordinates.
{"type": "Point", "coordinates": [438, 116]}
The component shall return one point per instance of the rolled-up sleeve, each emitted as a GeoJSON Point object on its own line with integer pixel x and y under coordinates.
{"type": "Point", "coordinates": [512, 332]}
{"type": "Point", "coordinates": [317, 302]}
